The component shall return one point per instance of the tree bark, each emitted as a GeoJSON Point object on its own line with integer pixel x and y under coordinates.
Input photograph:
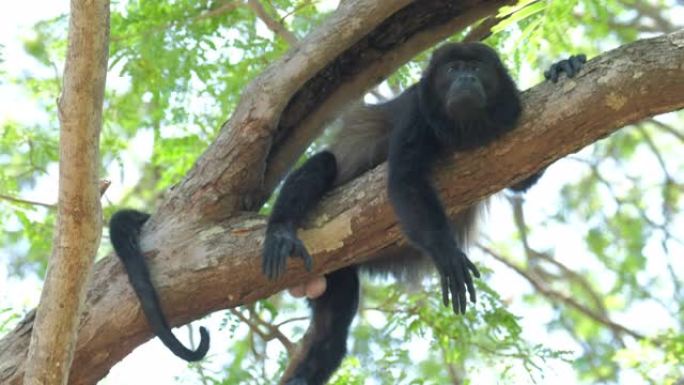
{"type": "Point", "coordinates": [200, 267]}
{"type": "Point", "coordinates": [79, 216]}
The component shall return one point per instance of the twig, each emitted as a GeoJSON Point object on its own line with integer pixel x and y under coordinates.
{"type": "Point", "coordinates": [667, 128]}
{"type": "Point", "coordinates": [273, 331]}
{"type": "Point", "coordinates": [571, 302]}
{"type": "Point", "coordinates": [277, 27]}
{"type": "Point", "coordinates": [519, 220]}
{"type": "Point", "coordinates": [27, 201]}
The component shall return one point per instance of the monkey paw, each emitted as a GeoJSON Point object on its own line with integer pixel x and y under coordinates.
{"type": "Point", "coordinates": [455, 274]}
{"type": "Point", "coordinates": [571, 66]}
{"type": "Point", "coordinates": [281, 242]}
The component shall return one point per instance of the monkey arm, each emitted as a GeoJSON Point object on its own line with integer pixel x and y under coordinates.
{"type": "Point", "coordinates": [301, 191]}
{"type": "Point", "coordinates": [422, 216]}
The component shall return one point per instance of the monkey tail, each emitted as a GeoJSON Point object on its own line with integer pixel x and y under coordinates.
{"type": "Point", "coordinates": [124, 232]}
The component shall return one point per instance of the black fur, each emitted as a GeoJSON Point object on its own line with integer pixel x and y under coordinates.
{"type": "Point", "coordinates": [124, 232]}
{"type": "Point", "coordinates": [465, 99]}
{"type": "Point", "coordinates": [570, 66]}
{"type": "Point", "coordinates": [317, 174]}
{"type": "Point", "coordinates": [333, 312]}
{"type": "Point", "coordinates": [427, 128]}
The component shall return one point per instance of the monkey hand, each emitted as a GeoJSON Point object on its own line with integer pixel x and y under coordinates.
{"type": "Point", "coordinates": [281, 242]}
{"type": "Point", "coordinates": [571, 66]}
{"type": "Point", "coordinates": [455, 273]}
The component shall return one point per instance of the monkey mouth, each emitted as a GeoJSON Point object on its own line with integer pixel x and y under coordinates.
{"type": "Point", "coordinates": [466, 105]}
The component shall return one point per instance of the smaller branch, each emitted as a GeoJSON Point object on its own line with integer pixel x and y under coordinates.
{"type": "Point", "coordinates": [274, 25]}
{"type": "Point", "coordinates": [274, 332]}
{"type": "Point", "coordinates": [656, 152]}
{"type": "Point", "coordinates": [252, 325]}
{"type": "Point", "coordinates": [667, 128]}
{"type": "Point", "coordinates": [218, 11]}
{"type": "Point", "coordinates": [519, 219]}
{"type": "Point", "coordinates": [290, 320]}
{"type": "Point", "coordinates": [27, 202]}
{"type": "Point", "coordinates": [104, 185]}
{"type": "Point", "coordinates": [453, 372]}
{"type": "Point", "coordinates": [255, 322]}
{"type": "Point", "coordinates": [296, 9]}
{"type": "Point", "coordinates": [615, 327]}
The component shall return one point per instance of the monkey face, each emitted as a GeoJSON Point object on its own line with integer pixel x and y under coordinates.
{"type": "Point", "coordinates": [464, 79]}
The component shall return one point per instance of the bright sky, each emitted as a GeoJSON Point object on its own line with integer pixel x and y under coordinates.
{"type": "Point", "coordinates": [152, 363]}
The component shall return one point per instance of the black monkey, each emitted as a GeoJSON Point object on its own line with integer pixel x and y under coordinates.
{"type": "Point", "coordinates": [465, 99]}
{"type": "Point", "coordinates": [363, 144]}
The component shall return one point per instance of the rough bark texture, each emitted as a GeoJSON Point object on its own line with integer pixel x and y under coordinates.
{"type": "Point", "coordinates": [79, 217]}
{"type": "Point", "coordinates": [200, 268]}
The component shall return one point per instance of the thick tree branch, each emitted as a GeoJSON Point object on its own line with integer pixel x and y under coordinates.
{"type": "Point", "coordinates": [201, 268]}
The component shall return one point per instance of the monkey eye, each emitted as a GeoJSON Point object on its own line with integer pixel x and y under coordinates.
{"type": "Point", "coordinates": [455, 66]}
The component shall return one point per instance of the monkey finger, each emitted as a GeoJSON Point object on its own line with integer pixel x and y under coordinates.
{"type": "Point", "coordinates": [265, 258]}
{"type": "Point", "coordinates": [457, 294]}
{"type": "Point", "coordinates": [268, 259]}
{"type": "Point", "coordinates": [303, 253]}
{"type": "Point", "coordinates": [554, 73]}
{"type": "Point", "coordinates": [445, 290]}
{"type": "Point", "coordinates": [454, 297]}
{"type": "Point", "coordinates": [579, 59]}
{"type": "Point", "coordinates": [473, 269]}
{"type": "Point", "coordinates": [462, 297]}
{"type": "Point", "coordinates": [284, 251]}
{"type": "Point", "coordinates": [567, 68]}
{"type": "Point", "coordinates": [470, 286]}
{"type": "Point", "coordinates": [456, 304]}
{"type": "Point", "coordinates": [463, 276]}
{"type": "Point", "coordinates": [577, 62]}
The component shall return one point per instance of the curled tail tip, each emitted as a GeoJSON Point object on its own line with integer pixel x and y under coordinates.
{"type": "Point", "coordinates": [191, 355]}
{"type": "Point", "coordinates": [203, 347]}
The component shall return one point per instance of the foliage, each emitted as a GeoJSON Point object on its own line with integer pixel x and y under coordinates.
{"type": "Point", "coordinates": [177, 69]}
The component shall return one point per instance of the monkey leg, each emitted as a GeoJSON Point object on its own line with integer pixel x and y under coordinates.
{"type": "Point", "coordinates": [325, 343]}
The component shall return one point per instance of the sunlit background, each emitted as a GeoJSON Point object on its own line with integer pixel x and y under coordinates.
{"type": "Point", "coordinates": [597, 296]}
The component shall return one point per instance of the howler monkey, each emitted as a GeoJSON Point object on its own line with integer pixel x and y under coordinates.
{"type": "Point", "coordinates": [465, 99]}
